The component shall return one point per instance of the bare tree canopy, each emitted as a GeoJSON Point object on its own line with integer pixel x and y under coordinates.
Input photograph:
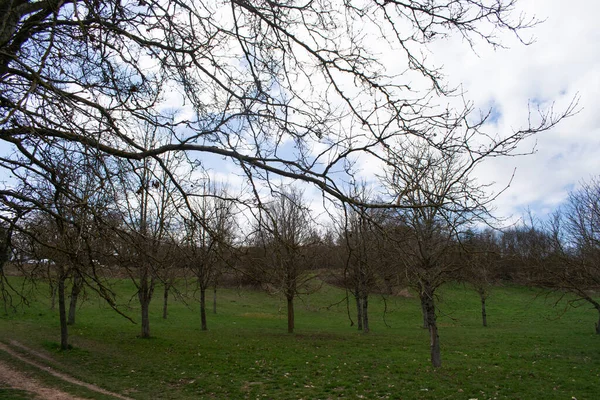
{"type": "Point", "coordinates": [573, 265]}
{"type": "Point", "coordinates": [296, 88]}
{"type": "Point", "coordinates": [285, 232]}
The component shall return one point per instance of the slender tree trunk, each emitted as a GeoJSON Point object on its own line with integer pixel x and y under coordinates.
{"type": "Point", "coordinates": [429, 305]}
{"type": "Point", "coordinates": [166, 300]}
{"type": "Point", "coordinates": [52, 295]}
{"type": "Point", "coordinates": [146, 283]}
{"type": "Point", "coordinates": [359, 311]}
{"type": "Point", "coordinates": [64, 332]}
{"type": "Point", "coordinates": [215, 299]}
{"type": "Point", "coordinates": [598, 324]}
{"type": "Point", "coordinates": [145, 296]}
{"type": "Point", "coordinates": [4, 299]}
{"type": "Point", "coordinates": [365, 313]}
{"type": "Point", "coordinates": [75, 290]}
{"type": "Point", "coordinates": [290, 313]}
{"type": "Point", "coordinates": [483, 297]}
{"type": "Point", "coordinates": [203, 308]}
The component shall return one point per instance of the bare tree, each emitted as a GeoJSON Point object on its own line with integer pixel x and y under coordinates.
{"type": "Point", "coordinates": [574, 265]}
{"type": "Point", "coordinates": [359, 271]}
{"type": "Point", "coordinates": [284, 232]}
{"type": "Point", "coordinates": [361, 238]}
{"type": "Point", "coordinates": [146, 200]}
{"type": "Point", "coordinates": [442, 200]}
{"type": "Point", "coordinates": [208, 237]}
{"type": "Point", "coordinates": [62, 231]}
{"type": "Point", "coordinates": [482, 259]}
{"type": "Point", "coordinates": [168, 274]}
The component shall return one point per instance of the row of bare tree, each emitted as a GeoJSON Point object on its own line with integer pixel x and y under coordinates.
{"type": "Point", "coordinates": [368, 251]}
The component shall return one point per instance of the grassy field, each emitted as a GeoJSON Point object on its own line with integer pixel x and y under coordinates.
{"type": "Point", "coordinates": [529, 351]}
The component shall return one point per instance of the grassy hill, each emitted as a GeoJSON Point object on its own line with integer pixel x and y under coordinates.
{"type": "Point", "coordinates": [530, 350]}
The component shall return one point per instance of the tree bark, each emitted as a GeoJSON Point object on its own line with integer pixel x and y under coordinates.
{"type": "Point", "coordinates": [145, 296]}
{"type": "Point", "coordinates": [146, 286]}
{"type": "Point", "coordinates": [75, 290]}
{"type": "Point", "coordinates": [203, 308]}
{"type": "Point", "coordinates": [290, 313]}
{"type": "Point", "coordinates": [365, 313]}
{"type": "Point", "coordinates": [145, 318]}
{"type": "Point", "coordinates": [429, 305]}
{"type": "Point", "coordinates": [359, 311]}
{"type": "Point", "coordinates": [483, 297]}
{"type": "Point", "coordinates": [166, 301]}
{"type": "Point", "coordinates": [64, 332]}
{"type": "Point", "coordinates": [52, 295]}
{"type": "Point", "coordinates": [424, 313]}
{"type": "Point", "coordinates": [215, 299]}
{"type": "Point", "coordinates": [4, 299]}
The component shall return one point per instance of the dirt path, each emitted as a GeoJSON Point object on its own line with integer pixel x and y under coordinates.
{"type": "Point", "coordinates": [18, 380]}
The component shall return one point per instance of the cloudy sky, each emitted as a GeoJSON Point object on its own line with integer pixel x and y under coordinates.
{"type": "Point", "coordinates": [562, 63]}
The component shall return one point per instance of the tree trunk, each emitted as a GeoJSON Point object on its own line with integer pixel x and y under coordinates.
{"type": "Point", "coordinates": [359, 311]}
{"type": "Point", "coordinates": [215, 299]}
{"type": "Point", "coordinates": [145, 317]}
{"type": "Point", "coordinates": [436, 355]}
{"type": "Point", "coordinates": [4, 299]}
{"type": "Point", "coordinates": [75, 290]}
{"type": "Point", "coordinates": [429, 305]}
{"type": "Point", "coordinates": [483, 312]}
{"type": "Point", "coordinates": [290, 313]}
{"type": "Point", "coordinates": [388, 285]}
{"type": "Point", "coordinates": [64, 332]}
{"type": "Point", "coordinates": [144, 296]}
{"type": "Point", "coordinates": [598, 324]}
{"type": "Point", "coordinates": [52, 295]}
{"type": "Point", "coordinates": [424, 313]}
{"type": "Point", "coordinates": [365, 313]}
{"type": "Point", "coordinates": [203, 308]}
{"type": "Point", "coordinates": [166, 300]}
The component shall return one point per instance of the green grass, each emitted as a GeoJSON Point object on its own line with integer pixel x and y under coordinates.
{"type": "Point", "coordinates": [530, 350]}
{"type": "Point", "coordinates": [13, 394]}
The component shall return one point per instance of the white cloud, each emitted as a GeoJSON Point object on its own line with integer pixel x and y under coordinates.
{"type": "Point", "coordinates": [563, 62]}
